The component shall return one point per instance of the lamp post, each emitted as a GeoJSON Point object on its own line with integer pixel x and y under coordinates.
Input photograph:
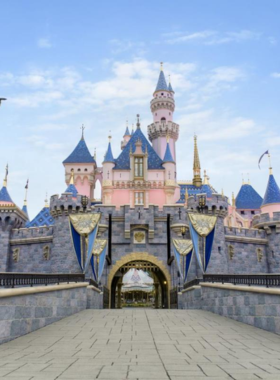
{"type": "Point", "coordinates": [201, 202]}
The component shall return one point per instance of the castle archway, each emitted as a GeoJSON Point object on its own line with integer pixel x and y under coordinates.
{"type": "Point", "coordinates": [144, 262]}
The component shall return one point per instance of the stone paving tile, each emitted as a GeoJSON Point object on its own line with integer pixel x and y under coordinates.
{"type": "Point", "coordinates": [143, 345]}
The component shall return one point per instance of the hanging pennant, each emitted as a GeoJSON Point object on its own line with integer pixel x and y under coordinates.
{"type": "Point", "coordinates": [100, 251]}
{"type": "Point", "coordinates": [183, 247]}
{"type": "Point", "coordinates": [83, 226]}
{"type": "Point", "coordinates": [202, 226]}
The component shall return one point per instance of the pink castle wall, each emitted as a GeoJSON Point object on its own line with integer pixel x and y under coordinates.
{"type": "Point", "coordinates": [270, 209]}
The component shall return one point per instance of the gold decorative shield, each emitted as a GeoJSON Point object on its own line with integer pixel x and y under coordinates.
{"type": "Point", "coordinates": [203, 224]}
{"type": "Point", "coordinates": [99, 246]}
{"type": "Point", "coordinates": [84, 224]}
{"type": "Point", "coordinates": [183, 246]}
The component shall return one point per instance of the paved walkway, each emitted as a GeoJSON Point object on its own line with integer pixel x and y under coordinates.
{"type": "Point", "coordinates": [143, 344]}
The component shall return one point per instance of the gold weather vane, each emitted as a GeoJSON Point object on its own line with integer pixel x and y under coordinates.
{"type": "Point", "coordinates": [26, 191]}
{"type": "Point", "coordinates": [109, 137]}
{"type": "Point", "coordinates": [161, 66]}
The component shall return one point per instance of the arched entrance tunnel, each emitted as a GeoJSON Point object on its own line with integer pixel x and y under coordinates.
{"type": "Point", "coordinates": [139, 283]}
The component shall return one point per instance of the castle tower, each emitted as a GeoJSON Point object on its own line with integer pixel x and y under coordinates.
{"type": "Point", "coordinates": [126, 137]}
{"type": "Point", "coordinates": [107, 183]}
{"type": "Point", "coordinates": [271, 201]}
{"type": "Point", "coordinates": [11, 217]}
{"type": "Point", "coordinates": [84, 167]}
{"type": "Point", "coordinates": [197, 180]}
{"type": "Point", "coordinates": [162, 108]}
{"type": "Point", "coordinates": [170, 174]}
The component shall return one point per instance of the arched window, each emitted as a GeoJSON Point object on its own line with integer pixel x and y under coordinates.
{"type": "Point", "coordinates": [163, 119]}
{"type": "Point", "coordinates": [138, 167]}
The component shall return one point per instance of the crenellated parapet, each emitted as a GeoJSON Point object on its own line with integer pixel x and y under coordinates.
{"type": "Point", "coordinates": [162, 129]}
{"type": "Point", "coordinates": [217, 205]}
{"type": "Point", "coordinates": [65, 204]}
{"type": "Point", "coordinates": [266, 222]}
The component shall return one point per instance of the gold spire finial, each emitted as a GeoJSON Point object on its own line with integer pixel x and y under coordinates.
{"type": "Point", "coordinates": [233, 200]}
{"type": "Point", "coordinates": [46, 201]}
{"type": "Point", "coordinates": [186, 195]}
{"type": "Point", "coordinates": [197, 181]}
{"type": "Point", "coordinates": [169, 78]}
{"type": "Point", "coordinates": [167, 138]}
{"type": "Point", "coordinates": [6, 176]}
{"type": "Point", "coordinates": [205, 178]}
{"type": "Point", "coordinates": [248, 176]}
{"type": "Point", "coordinates": [109, 137]}
{"type": "Point", "coordinates": [222, 192]}
{"type": "Point", "coordinates": [161, 66]}
{"type": "Point", "coordinates": [72, 177]}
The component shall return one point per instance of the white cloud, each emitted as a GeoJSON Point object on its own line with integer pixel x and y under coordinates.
{"type": "Point", "coordinates": [275, 75]}
{"type": "Point", "coordinates": [212, 37]}
{"type": "Point", "coordinates": [44, 43]}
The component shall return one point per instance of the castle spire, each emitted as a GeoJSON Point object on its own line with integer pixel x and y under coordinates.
{"type": "Point", "coordinates": [24, 208]}
{"type": "Point", "coordinates": [82, 128]}
{"type": "Point", "coordinates": [126, 133]}
{"type": "Point", "coordinates": [6, 176]}
{"type": "Point", "coordinates": [170, 89]}
{"type": "Point", "coordinates": [168, 155]}
{"type": "Point", "coordinates": [197, 181]}
{"type": "Point", "coordinates": [161, 84]}
{"type": "Point", "coordinates": [109, 155]}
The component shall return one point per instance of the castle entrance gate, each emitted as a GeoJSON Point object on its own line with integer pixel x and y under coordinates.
{"type": "Point", "coordinates": [139, 280]}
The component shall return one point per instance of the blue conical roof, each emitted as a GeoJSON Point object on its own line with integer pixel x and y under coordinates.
{"type": "Point", "coordinates": [4, 195]}
{"type": "Point", "coordinates": [161, 84]}
{"type": "Point", "coordinates": [123, 161]}
{"type": "Point", "coordinates": [126, 133]}
{"type": "Point", "coordinates": [168, 155]}
{"type": "Point", "coordinates": [24, 209]}
{"type": "Point", "coordinates": [72, 189]}
{"type": "Point", "coordinates": [247, 198]}
{"type": "Point", "coordinates": [80, 154]}
{"type": "Point", "coordinates": [170, 88]}
{"type": "Point", "coordinates": [44, 218]}
{"type": "Point", "coordinates": [272, 194]}
{"type": "Point", "coordinates": [109, 155]}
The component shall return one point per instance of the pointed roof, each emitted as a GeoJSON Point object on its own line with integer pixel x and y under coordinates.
{"type": "Point", "coordinates": [272, 194]}
{"type": "Point", "coordinates": [24, 209]}
{"type": "Point", "coordinates": [196, 162]}
{"type": "Point", "coordinates": [123, 161]}
{"type": "Point", "coordinates": [126, 133]}
{"type": "Point", "coordinates": [5, 196]}
{"type": "Point", "coordinates": [170, 88]}
{"type": "Point", "coordinates": [109, 155]}
{"type": "Point", "coordinates": [247, 198]}
{"type": "Point", "coordinates": [168, 155]}
{"type": "Point", "coordinates": [161, 84]}
{"type": "Point", "coordinates": [72, 189]}
{"type": "Point", "coordinates": [80, 154]}
{"type": "Point", "coordinates": [43, 218]}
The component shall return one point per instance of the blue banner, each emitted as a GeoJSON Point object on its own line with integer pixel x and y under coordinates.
{"type": "Point", "coordinates": [178, 260]}
{"type": "Point", "coordinates": [92, 267]}
{"type": "Point", "coordinates": [76, 238]}
{"type": "Point", "coordinates": [208, 248]}
{"type": "Point", "coordinates": [91, 240]}
{"type": "Point", "coordinates": [101, 263]}
{"type": "Point", "coordinates": [188, 264]}
{"type": "Point", "coordinates": [195, 240]}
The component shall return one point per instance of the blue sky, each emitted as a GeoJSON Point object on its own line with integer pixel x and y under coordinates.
{"type": "Point", "coordinates": [68, 63]}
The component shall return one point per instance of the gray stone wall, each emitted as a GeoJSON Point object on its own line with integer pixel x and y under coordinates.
{"type": "Point", "coordinates": [257, 309]}
{"type": "Point", "coordinates": [20, 315]}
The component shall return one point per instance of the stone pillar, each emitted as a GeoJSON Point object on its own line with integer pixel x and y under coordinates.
{"type": "Point", "coordinates": [156, 295]}
{"type": "Point", "coordinates": [119, 304]}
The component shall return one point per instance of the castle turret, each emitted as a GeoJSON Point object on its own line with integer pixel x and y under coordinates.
{"type": "Point", "coordinates": [71, 187]}
{"type": "Point", "coordinates": [126, 137]}
{"type": "Point", "coordinates": [108, 165]}
{"type": "Point", "coordinates": [197, 180]}
{"type": "Point", "coordinates": [170, 174]}
{"type": "Point", "coordinates": [162, 108]}
{"type": "Point", "coordinates": [11, 217]}
{"type": "Point", "coordinates": [84, 167]}
{"type": "Point", "coordinates": [271, 201]}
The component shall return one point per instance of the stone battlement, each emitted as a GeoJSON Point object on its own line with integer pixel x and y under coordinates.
{"type": "Point", "coordinates": [261, 219]}
{"type": "Point", "coordinates": [32, 232]}
{"type": "Point", "coordinates": [245, 232]}
{"type": "Point", "coordinates": [217, 205]}
{"type": "Point", "coordinates": [65, 204]}
{"type": "Point", "coordinates": [163, 128]}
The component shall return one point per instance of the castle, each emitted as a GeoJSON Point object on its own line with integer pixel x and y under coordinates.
{"type": "Point", "coordinates": [144, 206]}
